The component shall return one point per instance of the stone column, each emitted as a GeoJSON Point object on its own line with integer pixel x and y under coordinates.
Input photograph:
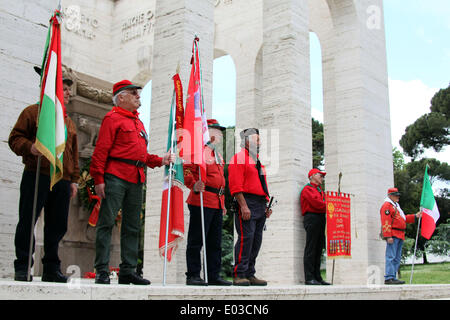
{"type": "Point", "coordinates": [286, 138]}
{"type": "Point", "coordinates": [176, 24]}
{"type": "Point", "coordinates": [357, 130]}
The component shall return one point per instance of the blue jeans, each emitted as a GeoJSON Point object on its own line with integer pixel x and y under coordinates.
{"type": "Point", "coordinates": [393, 256]}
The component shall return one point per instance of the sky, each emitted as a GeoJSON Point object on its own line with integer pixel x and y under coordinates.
{"type": "Point", "coordinates": [418, 56]}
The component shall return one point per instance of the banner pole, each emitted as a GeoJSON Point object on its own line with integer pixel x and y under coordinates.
{"type": "Point", "coordinates": [205, 265]}
{"type": "Point", "coordinates": [33, 217]}
{"type": "Point", "coordinates": [415, 249]}
{"type": "Point", "coordinates": [334, 260]}
{"type": "Point", "coordinates": [168, 193]}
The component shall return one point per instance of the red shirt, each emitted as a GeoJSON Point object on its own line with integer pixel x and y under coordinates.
{"type": "Point", "coordinates": [392, 223]}
{"type": "Point", "coordinates": [214, 178]}
{"type": "Point", "coordinates": [122, 135]}
{"type": "Point", "coordinates": [243, 175]}
{"type": "Point", "coordinates": [312, 199]}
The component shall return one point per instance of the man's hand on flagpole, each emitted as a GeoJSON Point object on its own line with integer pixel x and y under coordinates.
{"type": "Point", "coordinates": [419, 215]}
{"type": "Point", "coordinates": [199, 186]}
{"type": "Point", "coordinates": [100, 190]}
{"type": "Point", "coordinates": [73, 190]}
{"type": "Point", "coordinates": [169, 158]}
{"type": "Point", "coordinates": [34, 151]}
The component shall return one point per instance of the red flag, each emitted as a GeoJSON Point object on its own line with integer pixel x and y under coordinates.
{"type": "Point", "coordinates": [176, 215]}
{"type": "Point", "coordinates": [195, 133]}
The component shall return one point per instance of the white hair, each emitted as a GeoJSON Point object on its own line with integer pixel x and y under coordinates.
{"type": "Point", "coordinates": [114, 99]}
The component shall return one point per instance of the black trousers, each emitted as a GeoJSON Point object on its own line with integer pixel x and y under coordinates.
{"type": "Point", "coordinates": [314, 224]}
{"type": "Point", "coordinates": [56, 208]}
{"type": "Point", "coordinates": [250, 234]}
{"type": "Point", "coordinates": [213, 238]}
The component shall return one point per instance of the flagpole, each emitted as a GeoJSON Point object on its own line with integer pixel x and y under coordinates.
{"type": "Point", "coordinates": [169, 192]}
{"type": "Point", "coordinates": [415, 249]}
{"type": "Point", "coordinates": [205, 265]}
{"type": "Point", "coordinates": [33, 217]}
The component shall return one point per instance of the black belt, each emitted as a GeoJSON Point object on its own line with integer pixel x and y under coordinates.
{"type": "Point", "coordinates": [219, 192]}
{"type": "Point", "coordinates": [136, 163]}
{"type": "Point", "coordinates": [399, 229]}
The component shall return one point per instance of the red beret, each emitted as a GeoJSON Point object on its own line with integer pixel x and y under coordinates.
{"type": "Point", "coordinates": [314, 171]}
{"type": "Point", "coordinates": [123, 85]}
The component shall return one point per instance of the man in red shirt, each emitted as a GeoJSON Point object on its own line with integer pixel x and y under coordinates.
{"type": "Point", "coordinates": [214, 209]}
{"type": "Point", "coordinates": [312, 201]}
{"type": "Point", "coordinates": [248, 184]}
{"type": "Point", "coordinates": [117, 168]}
{"type": "Point", "coordinates": [393, 223]}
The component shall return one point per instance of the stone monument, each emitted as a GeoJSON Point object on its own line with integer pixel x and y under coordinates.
{"type": "Point", "coordinates": [268, 41]}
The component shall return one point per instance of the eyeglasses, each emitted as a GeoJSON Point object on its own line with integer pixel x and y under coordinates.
{"type": "Point", "coordinates": [133, 92]}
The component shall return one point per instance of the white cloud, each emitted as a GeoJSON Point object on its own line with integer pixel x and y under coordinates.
{"type": "Point", "coordinates": [408, 101]}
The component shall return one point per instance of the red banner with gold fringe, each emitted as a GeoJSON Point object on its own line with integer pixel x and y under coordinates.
{"type": "Point", "coordinates": [339, 240]}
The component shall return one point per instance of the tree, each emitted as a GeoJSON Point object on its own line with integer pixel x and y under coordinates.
{"type": "Point", "coordinates": [317, 143]}
{"type": "Point", "coordinates": [432, 129]}
{"type": "Point", "coordinates": [408, 179]}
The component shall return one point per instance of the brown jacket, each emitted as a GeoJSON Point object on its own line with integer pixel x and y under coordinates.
{"type": "Point", "coordinates": [23, 136]}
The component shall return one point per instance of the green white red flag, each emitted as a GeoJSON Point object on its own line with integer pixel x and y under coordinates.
{"type": "Point", "coordinates": [51, 131]}
{"type": "Point", "coordinates": [176, 210]}
{"type": "Point", "coordinates": [430, 211]}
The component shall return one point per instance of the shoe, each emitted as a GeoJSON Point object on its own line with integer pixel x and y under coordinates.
{"type": "Point", "coordinates": [238, 281]}
{"type": "Point", "coordinates": [133, 278]}
{"type": "Point", "coordinates": [56, 276]}
{"type": "Point", "coordinates": [394, 281]}
{"type": "Point", "coordinates": [22, 276]}
{"type": "Point", "coordinates": [219, 282]}
{"type": "Point", "coordinates": [102, 278]}
{"type": "Point", "coordinates": [312, 282]}
{"type": "Point", "coordinates": [257, 282]}
{"type": "Point", "coordinates": [324, 283]}
{"type": "Point", "coordinates": [195, 281]}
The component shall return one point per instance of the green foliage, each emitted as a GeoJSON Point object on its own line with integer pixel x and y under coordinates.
{"type": "Point", "coordinates": [440, 243]}
{"type": "Point", "coordinates": [432, 129]}
{"type": "Point", "coordinates": [317, 143]}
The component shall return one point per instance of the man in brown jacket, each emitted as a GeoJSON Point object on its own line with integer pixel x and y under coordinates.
{"type": "Point", "coordinates": [55, 202]}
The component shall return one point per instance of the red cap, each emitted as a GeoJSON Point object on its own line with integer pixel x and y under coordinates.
{"type": "Point", "coordinates": [213, 123]}
{"type": "Point", "coordinates": [123, 85]}
{"type": "Point", "coordinates": [393, 191]}
{"type": "Point", "coordinates": [314, 171]}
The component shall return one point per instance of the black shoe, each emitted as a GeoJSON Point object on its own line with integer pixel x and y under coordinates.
{"type": "Point", "coordinates": [56, 276]}
{"type": "Point", "coordinates": [324, 283]}
{"type": "Point", "coordinates": [22, 276]}
{"type": "Point", "coordinates": [219, 282]}
{"type": "Point", "coordinates": [102, 278]}
{"type": "Point", "coordinates": [195, 281]}
{"type": "Point", "coordinates": [313, 282]}
{"type": "Point", "coordinates": [133, 278]}
{"type": "Point", "coordinates": [394, 281]}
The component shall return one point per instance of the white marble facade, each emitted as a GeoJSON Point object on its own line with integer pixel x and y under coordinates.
{"type": "Point", "coordinates": [268, 40]}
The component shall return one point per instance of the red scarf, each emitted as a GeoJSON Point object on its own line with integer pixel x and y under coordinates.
{"type": "Point", "coordinates": [126, 113]}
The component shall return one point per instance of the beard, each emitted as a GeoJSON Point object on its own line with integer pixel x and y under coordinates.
{"type": "Point", "coordinates": [253, 149]}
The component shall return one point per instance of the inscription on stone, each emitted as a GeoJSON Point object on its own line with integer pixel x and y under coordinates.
{"type": "Point", "coordinates": [79, 23]}
{"type": "Point", "coordinates": [137, 26]}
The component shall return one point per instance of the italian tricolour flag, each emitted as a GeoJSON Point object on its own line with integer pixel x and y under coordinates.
{"type": "Point", "coordinates": [430, 211]}
{"type": "Point", "coordinates": [51, 131]}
